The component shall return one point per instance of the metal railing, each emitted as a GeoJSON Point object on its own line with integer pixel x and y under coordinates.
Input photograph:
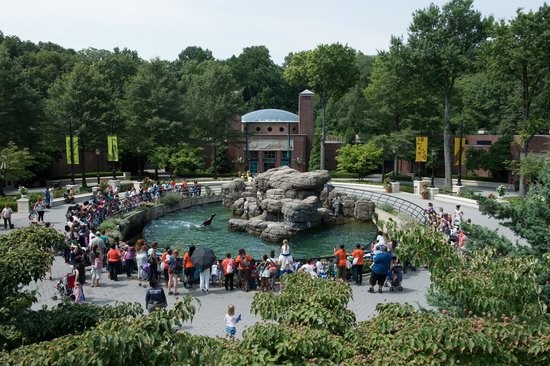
{"type": "Point", "coordinates": [401, 205]}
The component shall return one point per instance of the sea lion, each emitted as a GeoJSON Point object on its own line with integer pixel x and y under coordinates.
{"type": "Point", "coordinates": [208, 221]}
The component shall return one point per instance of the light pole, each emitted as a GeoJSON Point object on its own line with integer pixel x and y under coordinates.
{"type": "Point", "coordinates": [459, 181]}
{"type": "Point", "coordinates": [97, 152]}
{"type": "Point", "coordinates": [71, 149]}
{"type": "Point", "coordinates": [3, 167]}
{"type": "Point", "coordinates": [433, 163]}
{"type": "Point", "coordinates": [139, 163]}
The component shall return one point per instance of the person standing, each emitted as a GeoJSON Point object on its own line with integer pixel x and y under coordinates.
{"type": "Point", "coordinates": [97, 264]}
{"type": "Point", "coordinates": [164, 263]}
{"type": "Point", "coordinates": [175, 267]}
{"type": "Point", "coordinates": [114, 258]}
{"type": "Point", "coordinates": [380, 269]}
{"type": "Point", "coordinates": [40, 206]}
{"type": "Point", "coordinates": [228, 265]}
{"type": "Point", "coordinates": [6, 215]}
{"type": "Point", "coordinates": [129, 259]}
{"type": "Point", "coordinates": [340, 257]}
{"type": "Point", "coordinates": [189, 270]}
{"type": "Point", "coordinates": [358, 262]}
{"type": "Point", "coordinates": [231, 322]}
{"type": "Point", "coordinates": [47, 198]}
{"type": "Point", "coordinates": [204, 279]}
{"type": "Point", "coordinates": [244, 261]}
{"type": "Point", "coordinates": [152, 259]}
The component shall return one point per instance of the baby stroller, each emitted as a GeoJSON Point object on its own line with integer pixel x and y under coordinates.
{"type": "Point", "coordinates": [65, 287]}
{"type": "Point", "coordinates": [396, 277]}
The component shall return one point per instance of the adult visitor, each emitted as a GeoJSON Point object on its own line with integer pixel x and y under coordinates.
{"type": "Point", "coordinates": [6, 215]}
{"type": "Point", "coordinates": [189, 269]}
{"type": "Point", "coordinates": [358, 262]}
{"type": "Point", "coordinates": [380, 269]}
{"type": "Point", "coordinates": [155, 298]}
{"type": "Point", "coordinates": [114, 259]}
{"type": "Point", "coordinates": [244, 262]}
{"type": "Point", "coordinates": [340, 257]}
{"type": "Point", "coordinates": [228, 266]}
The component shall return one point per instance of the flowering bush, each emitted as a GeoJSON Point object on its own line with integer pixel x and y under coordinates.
{"type": "Point", "coordinates": [491, 196]}
{"type": "Point", "coordinates": [501, 190]}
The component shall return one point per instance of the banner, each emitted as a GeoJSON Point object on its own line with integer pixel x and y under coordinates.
{"type": "Point", "coordinates": [112, 148]}
{"type": "Point", "coordinates": [457, 150]}
{"type": "Point", "coordinates": [421, 149]}
{"type": "Point", "coordinates": [76, 160]}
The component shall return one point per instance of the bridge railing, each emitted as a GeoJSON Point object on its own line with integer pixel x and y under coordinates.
{"type": "Point", "coordinates": [400, 204]}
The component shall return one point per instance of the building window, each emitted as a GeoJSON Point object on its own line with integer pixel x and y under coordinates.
{"type": "Point", "coordinates": [258, 129]}
{"type": "Point", "coordinates": [269, 129]}
{"type": "Point", "coordinates": [253, 155]}
{"type": "Point", "coordinates": [281, 129]}
{"type": "Point", "coordinates": [294, 129]}
{"type": "Point", "coordinates": [270, 155]}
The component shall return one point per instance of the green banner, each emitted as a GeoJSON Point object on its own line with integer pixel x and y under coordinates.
{"type": "Point", "coordinates": [75, 157]}
{"type": "Point", "coordinates": [112, 148]}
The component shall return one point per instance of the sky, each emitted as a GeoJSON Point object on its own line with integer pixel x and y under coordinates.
{"type": "Point", "coordinates": [163, 28]}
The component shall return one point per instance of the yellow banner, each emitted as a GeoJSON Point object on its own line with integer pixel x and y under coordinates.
{"type": "Point", "coordinates": [112, 148]}
{"type": "Point", "coordinates": [457, 150]}
{"type": "Point", "coordinates": [421, 149]}
{"type": "Point", "coordinates": [75, 156]}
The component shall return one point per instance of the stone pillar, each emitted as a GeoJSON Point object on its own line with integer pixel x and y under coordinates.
{"type": "Point", "coordinates": [458, 189]}
{"type": "Point", "coordinates": [137, 185]}
{"type": "Point", "coordinates": [114, 183]}
{"type": "Point", "coordinates": [395, 187]}
{"type": "Point", "coordinates": [433, 192]}
{"type": "Point", "coordinates": [23, 205]}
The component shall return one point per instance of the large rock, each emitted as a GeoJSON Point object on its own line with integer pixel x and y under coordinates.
{"type": "Point", "coordinates": [301, 215]}
{"type": "Point", "coordinates": [285, 178]}
{"type": "Point", "coordinates": [276, 232]}
{"type": "Point", "coordinates": [232, 191]}
{"type": "Point", "coordinates": [364, 209]}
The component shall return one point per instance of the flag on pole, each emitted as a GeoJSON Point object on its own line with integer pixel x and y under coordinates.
{"type": "Point", "coordinates": [75, 157]}
{"type": "Point", "coordinates": [457, 150]}
{"type": "Point", "coordinates": [421, 149]}
{"type": "Point", "coordinates": [112, 148]}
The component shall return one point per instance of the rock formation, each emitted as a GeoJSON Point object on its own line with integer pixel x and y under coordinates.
{"type": "Point", "coordinates": [282, 202]}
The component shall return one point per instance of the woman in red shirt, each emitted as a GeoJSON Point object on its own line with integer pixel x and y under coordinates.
{"type": "Point", "coordinates": [114, 259]}
{"type": "Point", "coordinates": [188, 268]}
{"type": "Point", "coordinates": [341, 257]}
{"type": "Point", "coordinates": [358, 264]}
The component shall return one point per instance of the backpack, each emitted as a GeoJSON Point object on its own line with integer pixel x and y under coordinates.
{"type": "Point", "coordinates": [230, 266]}
{"type": "Point", "coordinates": [244, 262]}
{"type": "Point", "coordinates": [177, 265]}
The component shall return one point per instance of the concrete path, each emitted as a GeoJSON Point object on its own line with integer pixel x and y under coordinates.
{"type": "Point", "coordinates": [209, 317]}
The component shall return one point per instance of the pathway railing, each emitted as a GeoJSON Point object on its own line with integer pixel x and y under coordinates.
{"type": "Point", "coordinates": [400, 204]}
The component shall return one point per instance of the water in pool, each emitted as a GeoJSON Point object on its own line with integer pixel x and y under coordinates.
{"type": "Point", "coordinates": [181, 229]}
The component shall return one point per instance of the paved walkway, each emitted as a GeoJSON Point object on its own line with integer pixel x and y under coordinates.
{"type": "Point", "coordinates": [209, 317]}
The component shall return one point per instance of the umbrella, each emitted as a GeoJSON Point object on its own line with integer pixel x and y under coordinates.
{"type": "Point", "coordinates": [203, 258]}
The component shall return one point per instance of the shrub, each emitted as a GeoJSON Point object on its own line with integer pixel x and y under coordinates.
{"type": "Point", "coordinates": [387, 207]}
{"type": "Point", "coordinates": [171, 199]}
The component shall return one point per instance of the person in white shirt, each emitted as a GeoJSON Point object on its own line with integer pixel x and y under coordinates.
{"type": "Point", "coordinates": [6, 215]}
{"type": "Point", "coordinates": [308, 268]}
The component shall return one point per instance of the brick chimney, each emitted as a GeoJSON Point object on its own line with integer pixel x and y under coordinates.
{"type": "Point", "coordinates": [305, 114]}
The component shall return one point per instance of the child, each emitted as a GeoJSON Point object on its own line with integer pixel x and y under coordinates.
{"type": "Point", "coordinates": [78, 293]}
{"type": "Point", "coordinates": [231, 321]}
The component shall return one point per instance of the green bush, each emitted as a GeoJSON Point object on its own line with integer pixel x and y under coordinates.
{"type": "Point", "coordinates": [387, 207]}
{"type": "Point", "coordinates": [11, 204]}
{"type": "Point", "coordinates": [171, 199]}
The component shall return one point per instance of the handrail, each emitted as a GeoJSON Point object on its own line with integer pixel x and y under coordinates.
{"type": "Point", "coordinates": [401, 205]}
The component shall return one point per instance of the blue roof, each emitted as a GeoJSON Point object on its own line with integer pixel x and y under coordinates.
{"type": "Point", "coordinates": [270, 115]}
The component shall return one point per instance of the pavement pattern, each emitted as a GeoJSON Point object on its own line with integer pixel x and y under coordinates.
{"type": "Point", "coordinates": [212, 306]}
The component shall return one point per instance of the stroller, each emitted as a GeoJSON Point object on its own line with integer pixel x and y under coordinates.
{"type": "Point", "coordinates": [65, 287]}
{"type": "Point", "coordinates": [395, 277]}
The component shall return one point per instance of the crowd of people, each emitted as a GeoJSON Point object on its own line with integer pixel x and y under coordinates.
{"type": "Point", "coordinates": [448, 223]}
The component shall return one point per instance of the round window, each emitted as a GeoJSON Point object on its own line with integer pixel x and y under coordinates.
{"type": "Point", "coordinates": [281, 129]}
{"type": "Point", "coordinates": [258, 129]}
{"type": "Point", "coordinates": [269, 129]}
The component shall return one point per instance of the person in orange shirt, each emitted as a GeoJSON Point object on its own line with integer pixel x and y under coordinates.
{"type": "Point", "coordinates": [358, 262]}
{"type": "Point", "coordinates": [114, 259]}
{"type": "Point", "coordinates": [228, 265]}
{"type": "Point", "coordinates": [164, 263]}
{"type": "Point", "coordinates": [244, 261]}
{"type": "Point", "coordinates": [341, 257]}
{"type": "Point", "coordinates": [189, 270]}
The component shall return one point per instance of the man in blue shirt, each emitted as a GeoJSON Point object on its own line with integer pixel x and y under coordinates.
{"type": "Point", "coordinates": [380, 269]}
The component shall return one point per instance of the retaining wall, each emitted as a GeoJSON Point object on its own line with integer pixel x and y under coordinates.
{"type": "Point", "coordinates": [135, 223]}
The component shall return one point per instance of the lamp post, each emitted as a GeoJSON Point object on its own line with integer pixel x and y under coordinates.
{"type": "Point", "coordinates": [433, 163]}
{"type": "Point", "coordinates": [139, 163]}
{"type": "Point", "coordinates": [71, 148]}
{"type": "Point", "coordinates": [3, 168]}
{"type": "Point", "coordinates": [459, 181]}
{"type": "Point", "coordinates": [97, 152]}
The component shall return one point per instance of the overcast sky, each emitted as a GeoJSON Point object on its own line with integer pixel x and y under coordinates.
{"type": "Point", "coordinates": [163, 28]}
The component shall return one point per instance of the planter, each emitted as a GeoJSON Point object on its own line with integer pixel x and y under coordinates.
{"type": "Point", "coordinates": [425, 195]}
{"type": "Point", "coordinates": [387, 189]}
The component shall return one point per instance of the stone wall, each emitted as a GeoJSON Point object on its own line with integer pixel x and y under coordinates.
{"type": "Point", "coordinates": [135, 223]}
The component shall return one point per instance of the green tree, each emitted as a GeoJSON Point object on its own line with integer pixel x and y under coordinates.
{"type": "Point", "coordinates": [359, 159]}
{"type": "Point", "coordinates": [15, 164]}
{"type": "Point", "coordinates": [519, 51]}
{"type": "Point", "coordinates": [444, 42]}
{"type": "Point", "coordinates": [212, 101]}
{"type": "Point", "coordinates": [330, 70]}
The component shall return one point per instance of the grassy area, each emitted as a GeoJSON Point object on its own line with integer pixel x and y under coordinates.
{"type": "Point", "coordinates": [514, 200]}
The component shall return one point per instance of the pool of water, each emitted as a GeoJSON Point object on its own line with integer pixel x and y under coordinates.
{"type": "Point", "coordinates": [181, 229]}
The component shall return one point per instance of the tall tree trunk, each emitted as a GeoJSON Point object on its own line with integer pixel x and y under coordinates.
{"type": "Point", "coordinates": [447, 144]}
{"type": "Point", "coordinates": [323, 138]}
{"type": "Point", "coordinates": [522, 190]}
